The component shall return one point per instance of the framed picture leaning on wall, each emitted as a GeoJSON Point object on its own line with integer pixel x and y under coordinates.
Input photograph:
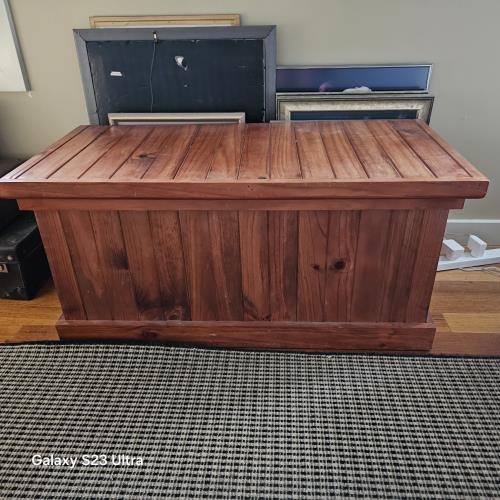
{"type": "Point", "coordinates": [341, 106]}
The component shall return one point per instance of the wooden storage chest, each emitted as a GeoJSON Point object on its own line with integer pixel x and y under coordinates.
{"type": "Point", "coordinates": [293, 235]}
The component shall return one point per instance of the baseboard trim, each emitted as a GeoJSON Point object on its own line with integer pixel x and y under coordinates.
{"type": "Point", "coordinates": [487, 229]}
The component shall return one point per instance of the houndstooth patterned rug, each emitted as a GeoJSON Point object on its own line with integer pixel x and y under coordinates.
{"type": "Point", "coordinates": [153, 421]}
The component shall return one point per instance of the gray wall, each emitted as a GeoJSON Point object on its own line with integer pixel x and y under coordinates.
{"type": "Point", "coordinates": [459, 36]}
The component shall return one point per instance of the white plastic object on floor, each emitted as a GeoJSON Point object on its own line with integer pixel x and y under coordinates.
{"type": "Point", "coordinates": [467, 260]}
{"type": "Point", "coordinates": [452, 250]}
{"type": "Point", "coordinates": [476, 246]}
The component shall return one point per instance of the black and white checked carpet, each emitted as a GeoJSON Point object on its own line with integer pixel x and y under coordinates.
{"type": "Point", "coordinates": [228, 424]}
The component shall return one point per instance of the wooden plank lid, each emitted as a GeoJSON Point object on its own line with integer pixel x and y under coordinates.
{"type": "Point", "coordinates": [282, 160]}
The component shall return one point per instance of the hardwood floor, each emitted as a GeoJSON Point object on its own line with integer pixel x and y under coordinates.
{"type": "Point", "coordinates": [465, 308]}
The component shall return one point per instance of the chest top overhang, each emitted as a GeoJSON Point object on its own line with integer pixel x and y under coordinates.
{"type": "Point", "coordinates": [280, 160]}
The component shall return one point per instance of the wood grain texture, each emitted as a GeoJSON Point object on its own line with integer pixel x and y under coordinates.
{"type": "Point", "coordinates": [283, 247]}
{"type": "Point", "coordinates": [343, 233]}
{"type": "Point", "coordinates": [63, 272]}
{"type": "Point", "coordinates": [299, 336]}
{"type": "Point", "coordinates": [301, 160]}
{"type": "Point", "coordinates": [425, 263]}
{"type": "Point", "coordinates": [211, 246]}
{"type": "Point", "coordinates": [140, 248]}
{"type": "Point", "coordinates": [312, 263]}
{"type": "Point", "coordinates": [376, 162]}
{"type": "Point", "coordinates": [80, 239]}
{"type": "Point", "coordinates": [250, 205]}
{"type": "Point", "coordinates": [254, 249]}
{"type": "Point", "coordinates": [169, 263]}
{"type": "Point", "coordinates": [255, 155]}
{"type": "Point", "coordinates": [370, 269]}
{"type": "Point", "coordinates": [25, 166]}
{"type": "Point", "coordinates": [117, 154]}
{"type": "Point", "coordinates": [113, 261]}
{"type": "Point", "coordinates": [435, 157]}
{"type": "Point", "coordinates": [312, 153]}
{"type": "Point", "coordinates": [283, 158]}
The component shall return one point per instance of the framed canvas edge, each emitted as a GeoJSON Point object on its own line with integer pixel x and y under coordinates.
{"type": "Point", "coordinates": [365, 66]}
{"type": "Point", "coordinates": [176, 33]}
{"type": "Point", "coordinates": [229, 117]}
{"type": "Point", "coordinates": [267, 33]}
{"type": "Point", "coordinates": [288, 102]}
{"type": "Point", "coordinates": [17, 46]}
{"type": "Point", "coordinates": [166, 20]}
{"type": "Point", "coordinates": [88, 85]}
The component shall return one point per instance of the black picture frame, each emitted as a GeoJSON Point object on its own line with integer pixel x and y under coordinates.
{"type": "Point", "coordinates": [266, 34]}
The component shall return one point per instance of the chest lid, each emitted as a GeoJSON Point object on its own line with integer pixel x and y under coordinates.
{"type": "Point", "coordinates": [278, 160]}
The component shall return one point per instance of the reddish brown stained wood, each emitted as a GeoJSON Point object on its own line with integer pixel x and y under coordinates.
{"type": "Point", "coordinates": [429, 246]}
{"type": "Point", "coordinates": [303, 336]}
{"type": "Point", "coordinates": [114, 263]}
{"type": "Point", "coordinates": [139, 246]}
{"type": "Point", "coordinates": [376, 162]}
{"type": "Point", "coordinates": [370, 266]}
{"type": "Point", "coordinates": [59, 258]}
{"type": "Point", "coordinates": [460, 159]}
{"type": "Point", "coordinates": [254, 250]}
{"type": "Point", "coordinates": [305, 205]}
{"type": "Point", "coordinates": [404, 241]}
{"type": "Point", "coordinates": [173, 150]}
{"type": "Point", "coordinates": [343, 159]}
{"type": "Point", "coordinates": [169, 263]}
{"type": "Point", "coordinates": [48, 165]}
{"type": "Point", "coordinates": [226, 261]}
{"type": "Point", "coordinates": [282, 231]}
{"type": "Point", "coordinates": [255, 154]}
{"type": "Point", "coordinates": [312, 241]}
{"type": "Point", "coordinates": [343, 230]}
{"type": "Point", "coordinates": [228, 154]}
{"type": "Point", "coordinates": [117, 154]}
{"type": "Point", "coordinates": [75, 167]}
{"type": "Point", "coordinates": [434, 156]}
{"type": "Point", "coordinates": [18, 171]}
{"type": "Point", "coordinates": [408, 164]}
{"type": "Point", "coordinates": [201, 153]}
{"type": "Point", "coordinates": [81, 243]}
{"type": "Point", "coordinates": [143, 157]}
{"type": "Point", "coordinates": [312, 154]}
{"type": "Point", "coordinates": [211, 245]}
{"type": "Point", "coordinates": [283, 159]}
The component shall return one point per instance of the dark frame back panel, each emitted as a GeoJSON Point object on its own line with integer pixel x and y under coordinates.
{"type": "Point", "coordinates": [244, 55]}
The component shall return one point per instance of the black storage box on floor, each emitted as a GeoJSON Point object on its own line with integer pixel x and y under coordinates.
{"type": "Point", "coordinates": [23, 263]}
{"type": "Point", "coordinates": [8, 208]}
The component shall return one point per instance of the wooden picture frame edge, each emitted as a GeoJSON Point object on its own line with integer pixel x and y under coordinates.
{"type": "Point", "coordinates": [165, 20]}
{"type": "Point", "coordinates": [287, 102]}
{"type": "Point", "coordinates": [176, 118]}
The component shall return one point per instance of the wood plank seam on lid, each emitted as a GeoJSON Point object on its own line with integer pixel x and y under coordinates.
{"type": "Point", "coordinates": [227, 155]}
{"type": "Point", "coordinates": [118, 153]}
{"type": "Point", "coordinates": [437, 159]}
{"type": "Point", "coordinates": [200, 155]}
{"type": "Point", "coordinates": [28, 164]}
{"type": "Point", "coordinates": [138, 163]}
{"type": "Point", "coordinates": [344, 160]}
{"type": "Point", "coordinates": [86, 158]}
{"type": "Point", "coordinates": [255, 162]}
{"type": "Point", "coordinates": [374, 159]}
{"type": "Point", "coordinates": [64, 153]}
{"type": "Point", "coordinates": [312, 155]}
{"type": "Point", "coordinates": [457, 156]}
{"type": "Point", "coordinates": [283, 155]}
{"type": "Point", "coordinates": [174, 151]}
{"type": "Point", "coordinates": [409, 164]}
